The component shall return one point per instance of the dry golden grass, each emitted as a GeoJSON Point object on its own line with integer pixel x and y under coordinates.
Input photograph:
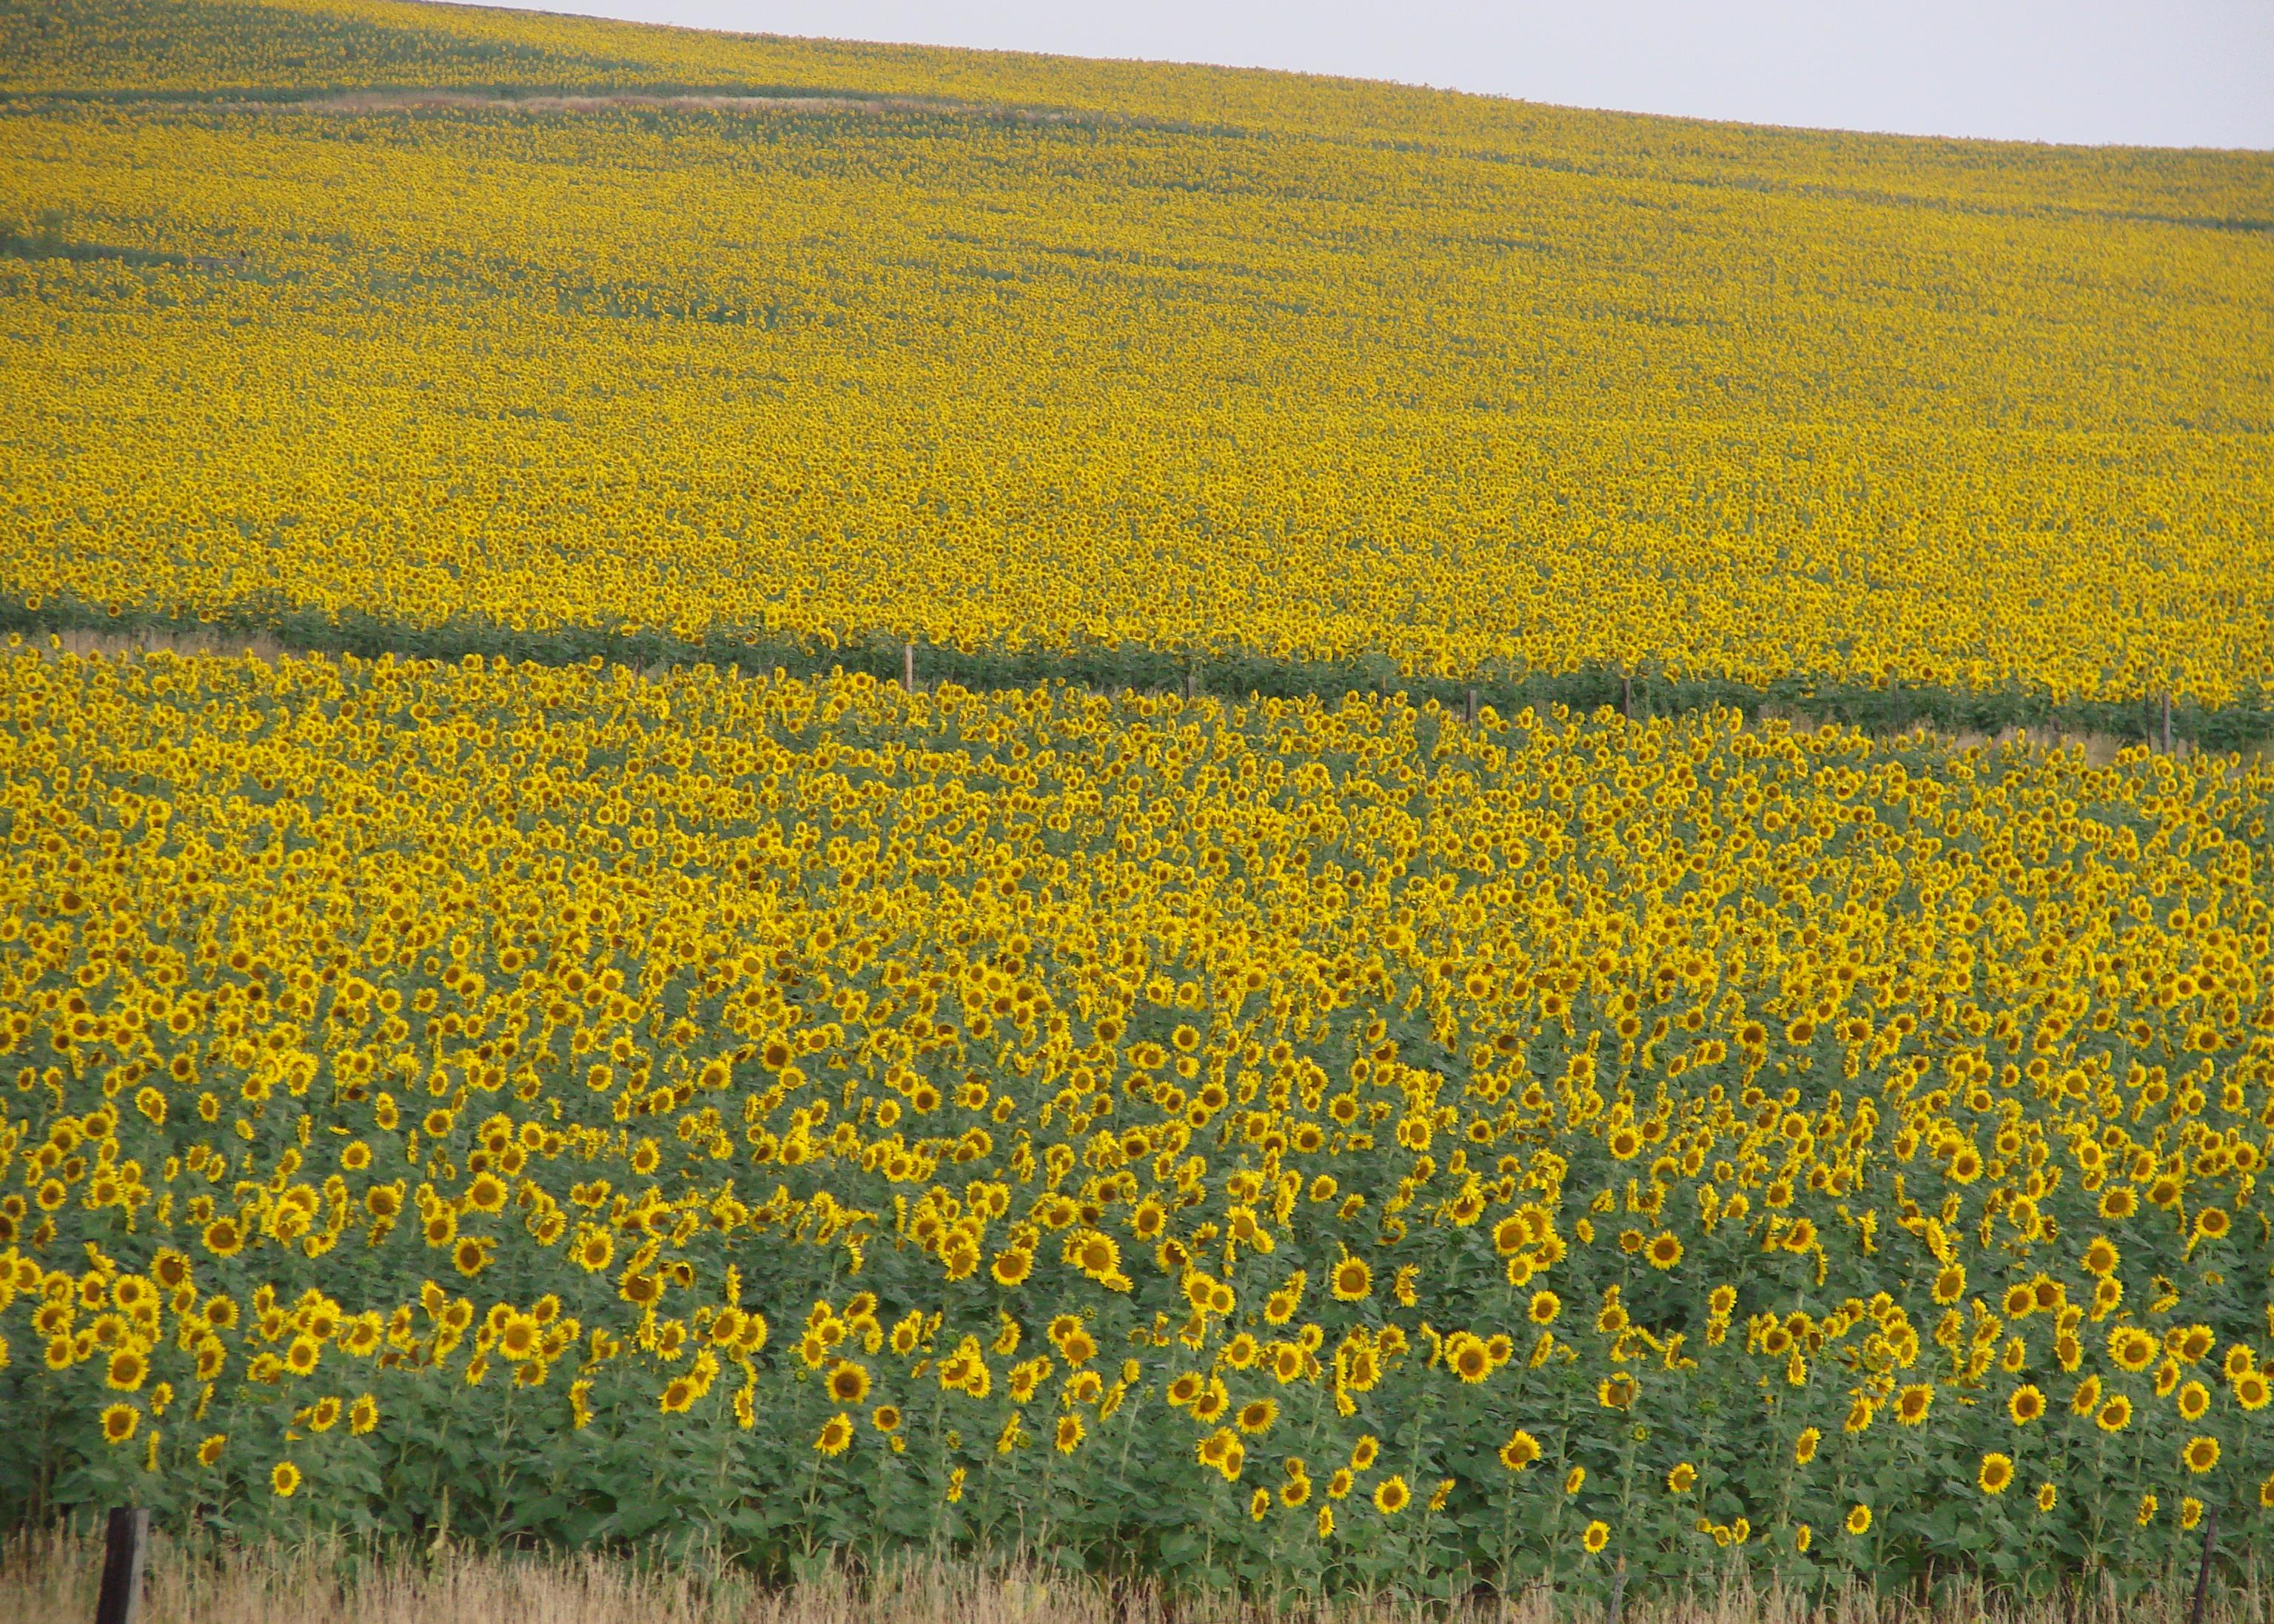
{"type": "Point", "coordinates": [53, 1576]}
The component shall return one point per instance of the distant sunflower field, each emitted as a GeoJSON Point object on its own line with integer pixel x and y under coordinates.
{"type": "Point", "coordinates": [1281, 1144]}
{"type": "Point", "coordinates": [793, 352]}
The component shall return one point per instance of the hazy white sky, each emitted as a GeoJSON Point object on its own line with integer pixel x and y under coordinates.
{"type": "Point", "coordinates": [2164, 72]}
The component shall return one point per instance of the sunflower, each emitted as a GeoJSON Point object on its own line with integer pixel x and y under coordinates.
{"type": "Point", "coordinates": [1352, 1279]}
{"type": "Point", "coordinates": [1682, 1478]}
{"type": "Point", "coordinates": [1594, 1537]}
{"type": "Point", "coordinates": [2200, 1454]}
{"type": "Point", "coordinates": [284, 1480]}
{"type": "Point", "coordinates": [1803, 1448]}
{"type": "Point", "coordinates": [836, 1433]}
{"type": "Point", "coordinates": [1096, 1255]}
{"type": "Point", "coordinates": [126, 1370]}
{"type": "Point", "coordinates": [2115, 1415]}
{"type": "Point", "coordinates": [2025, 1405]}
{"type": "Point", "coordinates": [518, 1339]}
{"type": "Point", "coordinates": [209, 1451]}
{"type": "Point", "coordinates": [1070, 1433]}
{"type": "Point", "coordinates": [2131, 1348]}
{"type": "Point", "coordinates": [1913, 1402]}
{"type": "Point", "coordinates": [1997, 1473]}
{"type": "Point", "coordinates": [1859, 1520]}
{"type": "Point", "coordinates": [1469, 1358]}
{"type": "Point", "coordinates": [849, 1382]}
{"type": "Point", "coordinates": [1520, 1451]}
{"type": "Point", "coordinates": [119, 1422]}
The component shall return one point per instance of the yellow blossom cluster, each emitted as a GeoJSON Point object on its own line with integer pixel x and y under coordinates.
{"type": "Point", "coordinates": [1275, 1142]}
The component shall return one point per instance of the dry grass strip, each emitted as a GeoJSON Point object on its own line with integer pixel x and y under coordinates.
{"type": "Point", "coordinates": [53, 1577]}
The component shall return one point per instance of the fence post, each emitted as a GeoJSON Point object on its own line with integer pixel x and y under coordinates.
{"type": "Point", "coordinates": [1472, 708]}
{"type": "Point", "coordinates": [908, 666]}
{"type": "Point", "coordinates": [2202, 1574]}
{"type": "Point", "coordinates": [1626, 695]}
{"type": "Point", "coordinates": [2167, 722]}
{"type": "Point", "coordinates": [123, 1543]}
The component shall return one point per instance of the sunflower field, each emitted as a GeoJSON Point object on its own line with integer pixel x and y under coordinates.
{"type": "Point", "coordinates": [1344, 1028]}
{"type": "Point", "coordinates": [434, 330]}
{"type": "Point", "coordinates": [1279, 1144]}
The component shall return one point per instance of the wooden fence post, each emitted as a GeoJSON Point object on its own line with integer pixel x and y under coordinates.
{"type": "Point", "coordinates": [2167, 722]}
{"type": "Point", "coordinates": [1472, 708]}
{"type": "Point", "coordinates": [120, 1600]}
{"type": "Point", "coordinates": [1626, 695]}
{"type": "Point", "coordinates": [2202, 1574]}
{"type": "Point", "coordinates": [908, 666]}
